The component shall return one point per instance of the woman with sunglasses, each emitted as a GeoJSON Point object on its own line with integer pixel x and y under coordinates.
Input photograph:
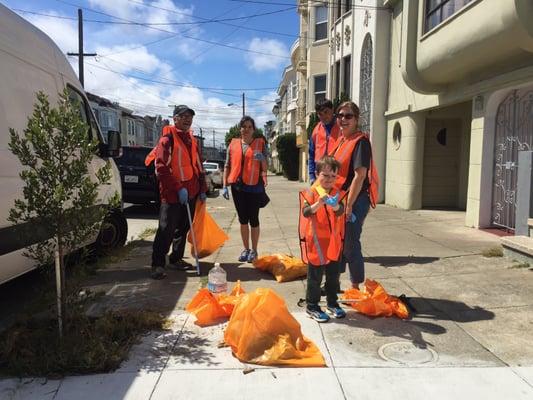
{"type": "Point", "coordinates": [354, 154]}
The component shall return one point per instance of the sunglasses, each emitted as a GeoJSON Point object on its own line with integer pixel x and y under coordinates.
{"type": "Point", "coordinates": [345, 116]}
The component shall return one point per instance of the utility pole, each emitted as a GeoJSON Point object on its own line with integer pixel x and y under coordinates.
{"type": "Point", "coordinates": [243, 105]}
{"type": "Point", "coordinates": [201, 141]}
{"type": "Point", "coordinates": [214, 139]}
{"type": "Point", "coordinates": [80, 54]}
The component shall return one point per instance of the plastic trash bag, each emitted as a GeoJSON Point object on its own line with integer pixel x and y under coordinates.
{"type": "Point", "coordinates": [375, 301]}
{"type": "Point", "coordinates": [209, 236]}
{"type": "Point", "coordinates": [285, 268]}
{"type": "Point", "coordinates": [261, 330]}
{"type": "Point", "coordinates": [212, 309]}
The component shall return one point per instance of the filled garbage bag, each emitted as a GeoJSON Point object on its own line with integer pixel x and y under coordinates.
{"type": "Point", "coordinates": [285, 268]}
{"type": "Point", "coordinates": [375, 301]}
{"type": "Point", "coordinates": [210, 309]}
{"type": "Point", "coordinates": [261, 330]}
{"type": "Point", "coordinates": [209, 236]}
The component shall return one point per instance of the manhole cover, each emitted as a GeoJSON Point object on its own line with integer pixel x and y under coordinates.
{"type": "Point", "coordinates": [407, 353]}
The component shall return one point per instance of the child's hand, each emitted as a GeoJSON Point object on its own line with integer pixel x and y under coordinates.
{"type": "Point", "coordinates": [323, 199]}
{"type": "Point", "coordinates": [332, 201]}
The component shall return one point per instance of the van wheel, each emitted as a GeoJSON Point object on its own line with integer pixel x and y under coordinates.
{"type": "Point", "coordinates": [113, 232]}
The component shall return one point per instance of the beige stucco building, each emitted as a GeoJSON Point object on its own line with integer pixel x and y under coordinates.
{"type": "Point", "coordinates": [460, 105]}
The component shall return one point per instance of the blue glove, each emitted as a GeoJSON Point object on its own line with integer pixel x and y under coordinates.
{"type": "Point", "coordinates": [183, 196]}
{"type": "Point", "coordinates": [352, 218]}
{"type": "Point", "coordinates": [203, 196]}
{"type": "Point", "coordinates": [225, 192]}
{"type": "Point", "coordinates": [332, 200]}
{"type": "Point", "coordinates": [259, 156]}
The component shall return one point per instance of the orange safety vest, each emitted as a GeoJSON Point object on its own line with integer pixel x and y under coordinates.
{"type": "Point", "coordinates": [321, 234]}
{"type": "Point", "coordinates": [151, 156]}
{"type": "Point", "coordinates": [247, 168]}
{"type": "Point", "coordinates": [181, 164]}
{"type": "Point", "coordinates": [323, 144]}
{"type": "Point", "coordinates": [342, 151]}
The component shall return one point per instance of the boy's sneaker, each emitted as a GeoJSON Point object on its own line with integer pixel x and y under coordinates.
{"type": "Point", "coordinates": [244, 255]}
{"type": "Point", "coordinates": [336, 311]}
{"type": "Point", "coordinates": [317, 314]}
{"type": "Point", "coordinates": [252, 255]}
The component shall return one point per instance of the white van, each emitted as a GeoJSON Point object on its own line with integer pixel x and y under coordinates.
{"type": "Point", "coordinates": [29, 62]}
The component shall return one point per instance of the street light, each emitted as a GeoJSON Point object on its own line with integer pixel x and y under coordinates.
{"type": "Point", "coordinates": [243, 105]}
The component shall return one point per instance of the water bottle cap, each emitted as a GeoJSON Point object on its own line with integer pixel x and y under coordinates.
{"type": "Point", "coordinates": [217, 264]}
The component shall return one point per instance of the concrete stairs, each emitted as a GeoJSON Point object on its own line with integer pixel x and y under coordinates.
{"type": "Point", "coordinates": [520, 247]}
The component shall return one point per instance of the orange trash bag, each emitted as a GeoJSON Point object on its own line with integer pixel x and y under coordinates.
{"type": "Point", "coordinates": [375, 301]}
{"type": "Point", "coordinates": [212, 309]}
{"type": "Point", "coordinates": [262, 331]}
{"type": "Point", "coordinates": [209, 236]}
{"type": "Point", "coordinates": [285, 268]}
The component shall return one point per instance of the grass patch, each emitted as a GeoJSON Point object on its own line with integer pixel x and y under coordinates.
{"type": "Point", "coordinates": [520, 265]}
{"type": "Point", "coordinates": [147, 233]}
{"type": "Point", "coordinates": [90, 345]}
{"type": "Point", "coordinates": [496, 251]}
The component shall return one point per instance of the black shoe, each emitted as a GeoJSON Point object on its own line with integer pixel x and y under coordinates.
{"type": "Point", "coordinates": [158, 273]}
{"type": "Point", "coordinates": [180, 265]}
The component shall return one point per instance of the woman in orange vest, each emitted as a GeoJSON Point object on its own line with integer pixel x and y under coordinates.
{"type": "Point", "coordinates": [354, 153]}
{"type": "Point", "coordinates": [246, 172]}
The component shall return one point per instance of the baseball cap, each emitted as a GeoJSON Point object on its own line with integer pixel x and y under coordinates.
{"type": "Point", "coordinates": [178, 110]}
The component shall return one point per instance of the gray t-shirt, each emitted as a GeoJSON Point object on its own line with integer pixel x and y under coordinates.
{"type": "Point", "coordinates": [360, 158]}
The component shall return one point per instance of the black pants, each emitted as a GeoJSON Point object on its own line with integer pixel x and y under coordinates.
{"type": "Point", "coordinates": [247, 206]}
{"type": "Point", "coordinates": [314, 280]}
{"type": "Point", "coordinates": [172, 229]}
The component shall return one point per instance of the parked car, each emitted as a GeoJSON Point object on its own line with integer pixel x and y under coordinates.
{"type": "Point", "coordinates": [215, 171]}
{"type": "Point", "coordinates": [139, 184]}
{"type": "Point", "coordinates": [29, 62]}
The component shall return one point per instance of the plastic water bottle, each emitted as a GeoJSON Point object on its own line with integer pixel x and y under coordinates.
{"type": "Point", "coordinates": [216, 280]}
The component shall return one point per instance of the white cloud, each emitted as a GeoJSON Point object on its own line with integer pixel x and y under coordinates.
{"type": "Point", "coordinates": [63, 32]}
{"type": "Point", "coordinates": [263, 62]}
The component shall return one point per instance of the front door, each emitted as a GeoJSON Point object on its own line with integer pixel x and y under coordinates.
{"type": "Point", "coordinates": [514, 132]}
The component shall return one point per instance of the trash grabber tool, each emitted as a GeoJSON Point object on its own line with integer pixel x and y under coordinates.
{"type": "Point", "coordinates": [193, 238]}
{"type": "Point", "coordinates": [302, 302]}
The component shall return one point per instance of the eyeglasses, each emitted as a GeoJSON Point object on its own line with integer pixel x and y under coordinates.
{"type": "Point", "coordinates": [328, 176]}
{"type": "Point", "coordinates": [345, 116]}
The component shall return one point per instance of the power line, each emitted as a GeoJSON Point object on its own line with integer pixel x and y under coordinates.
{"type": "Point", "coordinates": [170, 82]}
{"type": "Point", "coordinates": [182, 35]}
{"type": "Point", "coordinates": [324, 3]}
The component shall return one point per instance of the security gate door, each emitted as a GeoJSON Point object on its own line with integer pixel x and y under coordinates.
{"type": "Point", "coordinates": [514, 132]}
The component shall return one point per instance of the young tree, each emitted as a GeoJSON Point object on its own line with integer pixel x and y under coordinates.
{"type": "Point", "coordinates": [55, 151]}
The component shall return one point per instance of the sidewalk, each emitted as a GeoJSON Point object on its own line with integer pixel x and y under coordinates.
{"type": "Point", "coordinates": [471, 337]}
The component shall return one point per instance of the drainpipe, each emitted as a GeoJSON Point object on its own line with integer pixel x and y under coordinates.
{"type": "Point", "coordinates": [410, 72]}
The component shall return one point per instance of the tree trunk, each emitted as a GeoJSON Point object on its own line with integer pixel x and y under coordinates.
{"type": "Point", "coordinates": [60, 287]}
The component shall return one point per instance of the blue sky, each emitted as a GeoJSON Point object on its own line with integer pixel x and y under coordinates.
{"type": "Point", "coordinates": [177, 52]}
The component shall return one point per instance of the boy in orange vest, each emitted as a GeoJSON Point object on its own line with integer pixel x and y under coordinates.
{"type": "Point", "coordinates": [321, 231]}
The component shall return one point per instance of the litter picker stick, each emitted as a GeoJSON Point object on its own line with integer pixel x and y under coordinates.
{"type": "Point", "coordinates": [301, 302]}
{"type": "Point", "coordinates": [193, 238]}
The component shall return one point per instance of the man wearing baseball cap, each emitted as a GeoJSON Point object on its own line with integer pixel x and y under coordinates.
{"type": "Point", "coordinates": [181, 177]}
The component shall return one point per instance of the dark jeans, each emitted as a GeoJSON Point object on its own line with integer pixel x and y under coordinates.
{"type": "Point", "coordinates": [172, 229]}
{"type": "Point", "coordinates": [314, 280]}
{"type": "Point", "coordinates": [247, 206]}
{"type": "Point", "coordinates": [352, 253]}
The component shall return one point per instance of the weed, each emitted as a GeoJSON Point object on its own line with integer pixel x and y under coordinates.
{"type": "Point", "coordinates": [147, 233]}
{"type": "Point", "coordinates": [496, 251]}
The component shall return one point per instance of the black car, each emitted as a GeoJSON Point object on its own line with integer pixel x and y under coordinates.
{"type": "Point", "coordinates": [139, 183]}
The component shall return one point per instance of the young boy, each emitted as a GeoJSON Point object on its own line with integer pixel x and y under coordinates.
{"type": "Point", "coordinates": [321, 230]}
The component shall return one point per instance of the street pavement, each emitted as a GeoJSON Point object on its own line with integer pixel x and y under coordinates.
{"type": "Point", "coordinates": [471, 336]}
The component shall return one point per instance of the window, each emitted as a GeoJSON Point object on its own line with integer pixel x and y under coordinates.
{"type": "Point", "coordinates": [347, 5]}
{"type": "Point", "coordinates": [439, 10]}
{"type": "Point", "coordinates": [85, 112]}
{"type": "Point", "coordinates": [320, 88]}
{"type": "Point", "coordinates": [346, 84]}
{"type": "Point", "coordinates": [337, 79]}
{"type": "Point", "coordinates": [131, 127]}
{"type": "Point", "coordinates": [321, 22]}
{"type": "Point", "coordinates": [365, 84]}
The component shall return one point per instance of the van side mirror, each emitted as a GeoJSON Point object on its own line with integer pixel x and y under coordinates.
{"type": "Point", "coordinates": [114, 144]}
